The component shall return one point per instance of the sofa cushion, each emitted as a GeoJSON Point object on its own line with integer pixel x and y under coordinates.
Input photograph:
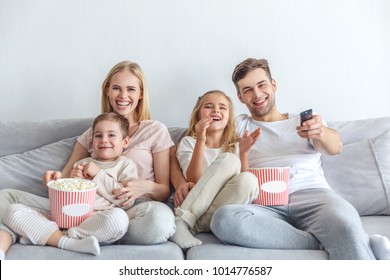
{"type": "Point", "coordinates": [361, 174]}
{"type": "Point", "coordinates": [19, 137]}
{"type": "Point", "coordinates": [213, 249]}
{"type": "Point", "coordinates": [24, 171]}
{"type": "Point", "coordinates": [376, 225]}
{"type": "Point", "coordinates": [177, 133]}
{"type": "Point", "coordinates": [358, 130]}
{"type": "Point", "coordinates": [164, 251]}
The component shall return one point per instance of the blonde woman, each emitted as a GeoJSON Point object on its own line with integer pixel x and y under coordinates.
{"type": "Point", "coordinates": [125, 92]}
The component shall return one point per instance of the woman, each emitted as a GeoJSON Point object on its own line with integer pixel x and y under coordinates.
{"type": "Point", "coordinates": [150, 221]}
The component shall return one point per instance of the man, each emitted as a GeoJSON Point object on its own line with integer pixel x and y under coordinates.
{"type": "Point", "coordinates": [315, 214]}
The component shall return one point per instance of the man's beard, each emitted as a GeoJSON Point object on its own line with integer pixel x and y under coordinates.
{"type": "Point", "coordinates": [262, 112]}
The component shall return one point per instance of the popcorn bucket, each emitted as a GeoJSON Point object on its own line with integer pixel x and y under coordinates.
{"type": "Point", "coordinates": [273, 185]}
{"type": "Point", "coordinates": [71, 201]}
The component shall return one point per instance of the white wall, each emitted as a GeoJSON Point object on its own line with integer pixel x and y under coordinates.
{"type": "Point", "coordinates": [332, 55]}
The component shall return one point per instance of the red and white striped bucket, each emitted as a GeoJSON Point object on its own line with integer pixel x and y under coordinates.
{"type": "Point", "coordinates": [273, 185]}
{"type": "Point", "coordinates": [69, 207]}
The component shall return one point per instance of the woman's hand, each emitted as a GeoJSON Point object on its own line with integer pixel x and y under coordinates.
{"type": "Point", "coordinates": [181, 192]}
{"type": "Point", "coordinates": [132, 190]}
{"type": "Point", "coordinates": [50, 176]}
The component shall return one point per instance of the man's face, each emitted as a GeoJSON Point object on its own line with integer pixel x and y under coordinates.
{"type": "Point", "coordinates": [257, 92]}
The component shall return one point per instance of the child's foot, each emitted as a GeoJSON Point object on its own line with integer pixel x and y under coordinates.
{"type": "Point", "coordinates": [87, 245]}
{"type": "Point", "coordinates": [380, 246]}
{"type": "Point", "coordinates": [183, 236]}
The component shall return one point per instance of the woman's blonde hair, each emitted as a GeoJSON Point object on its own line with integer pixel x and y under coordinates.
{"type": "Point", "coordinates": [142, 110]}
{"type": "Point", "coordinates": [229, 137]}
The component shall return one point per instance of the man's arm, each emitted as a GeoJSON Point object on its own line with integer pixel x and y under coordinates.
{"type": "Point", "coordinates": [325, 140]}
{"type": "Point", "coordinates": [329, 143]}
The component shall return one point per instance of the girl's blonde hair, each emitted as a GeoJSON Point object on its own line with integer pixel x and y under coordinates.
{"type": "Point", "coordinates": [229, 137]}
{"type": "Point", "coordinates": [142, 110]}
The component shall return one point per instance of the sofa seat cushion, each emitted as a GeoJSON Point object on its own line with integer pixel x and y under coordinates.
{"type": "Point", "coordinates": [377, 225]}
{"type": "Point", "coordinates": [164, 251]}
{"type": "Point", "coordinates": [213, 249]}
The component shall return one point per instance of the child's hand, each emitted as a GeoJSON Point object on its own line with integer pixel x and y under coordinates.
{"type": "Point", "coordinates": [248, 139]}
{"type": "Point", "coordinates": [201, 128]}
{"type": "Point", "coordinates": [50, 176]}
{"type": "Point", "coordinates": [77, 172]}
{"type": "Point", "coordinates": [90, 170]}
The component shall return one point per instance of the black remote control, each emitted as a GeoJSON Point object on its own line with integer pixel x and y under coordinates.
{"type": "Point", "coordinates": [306, 115]}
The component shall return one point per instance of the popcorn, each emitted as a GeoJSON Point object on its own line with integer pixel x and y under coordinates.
{"type": "Point", "coordinates": [72, 184]}
{"type": "Point", "coordinates": [71, 201]}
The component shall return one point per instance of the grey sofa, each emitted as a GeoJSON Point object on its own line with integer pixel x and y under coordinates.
{"type": "Point", "coordinates": [361, 174]}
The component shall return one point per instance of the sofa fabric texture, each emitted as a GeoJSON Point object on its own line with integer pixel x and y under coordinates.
{"type": "Point", "coordinates": [360, 174]}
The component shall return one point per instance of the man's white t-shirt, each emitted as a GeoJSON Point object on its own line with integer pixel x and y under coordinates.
{"type": "Point", "coordinates": [279, 145]}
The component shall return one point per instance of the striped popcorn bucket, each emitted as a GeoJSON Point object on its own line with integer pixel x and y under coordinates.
{"type": "Point", "coordinates": [68, 208]}
{"type": "Point", "coordinates": [273, 185]}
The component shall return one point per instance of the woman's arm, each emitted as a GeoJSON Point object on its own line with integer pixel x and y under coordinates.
{"type": "Point", "coordinates": [158, 190]}
{"type": "Point", "coordinates": [176, 174]}
{"type": "Point", "coordinates": [161, 173]}
{"type": "Point", "coordinates": [79, 152]}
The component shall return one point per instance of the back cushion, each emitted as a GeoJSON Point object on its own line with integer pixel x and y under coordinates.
{"type": "Point", "coordinates": [19, 137]}
{"type": "Point", "coordinates": [25, 171]}
{"type": "Point", "coordinates": [361, 174]}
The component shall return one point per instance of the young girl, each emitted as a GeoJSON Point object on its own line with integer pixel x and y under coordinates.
{"type": "Point", "coordinates": [108, 168]}
{"type": "Point", "coordinates": [210, 158]}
